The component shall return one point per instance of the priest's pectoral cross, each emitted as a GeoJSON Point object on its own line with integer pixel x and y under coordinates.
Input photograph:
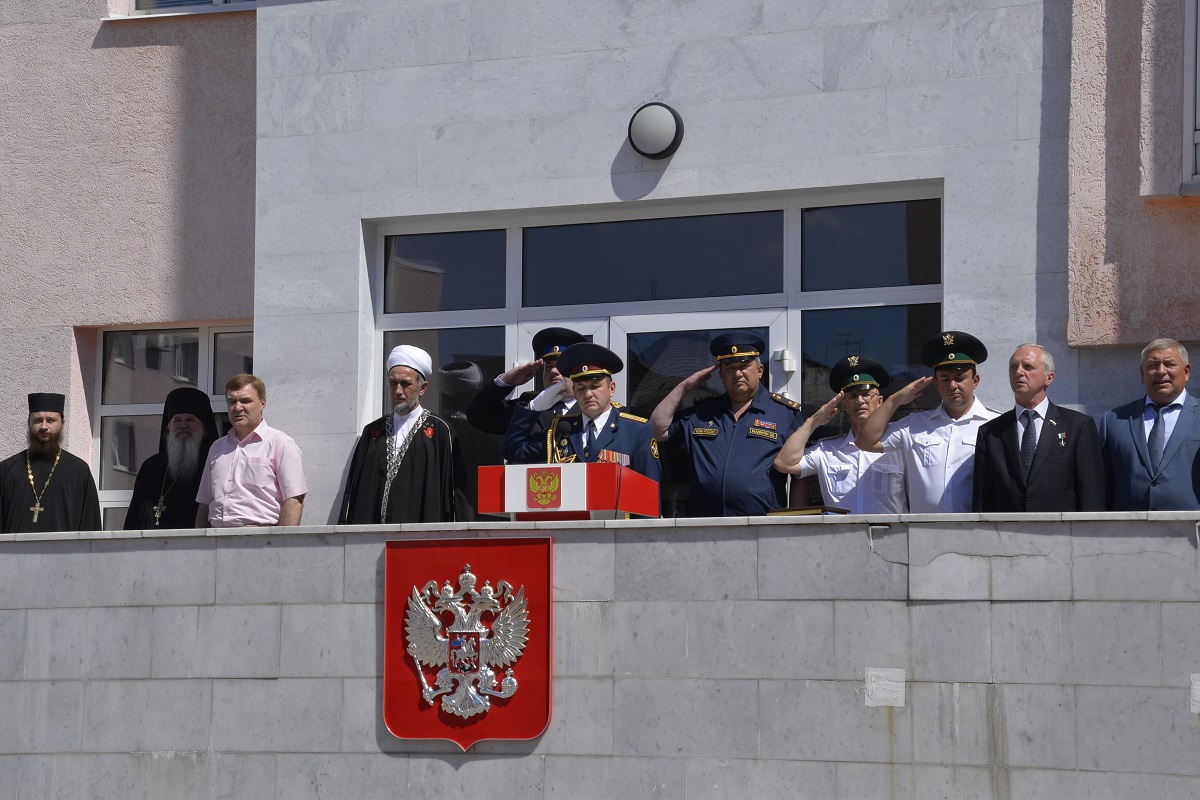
{"type": "Point", "coordinates": [159, 508]}
{"type": "Point", "coordinates": [36, 508]}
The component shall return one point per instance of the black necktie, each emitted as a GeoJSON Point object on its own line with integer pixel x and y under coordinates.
{"type": "Point", "coordinates": [1157, 441]}
{"type": "Point", "coordinates": [1028, 441]}
{"type": "Point", "coordinates": [591, 437]}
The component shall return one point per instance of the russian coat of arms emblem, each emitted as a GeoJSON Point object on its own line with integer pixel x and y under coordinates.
{"type": "Point", "coordinates": [464, 621]}
{"type": "Point", "coordinates": [466, 634]}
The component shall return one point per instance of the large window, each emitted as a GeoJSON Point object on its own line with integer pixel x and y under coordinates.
{"type": "Point", "coordinates": [137, 369]}
{"type": "Point", "coordinates": [818, 277]}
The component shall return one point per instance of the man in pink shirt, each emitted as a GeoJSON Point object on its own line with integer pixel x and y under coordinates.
{"type": "Point", "coordinates": [253, 474]}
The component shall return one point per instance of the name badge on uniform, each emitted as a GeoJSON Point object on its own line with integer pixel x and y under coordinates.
{"type": "Point", "coordinates": [763, 434]}
{"type": "Point", "coordinates": [705, 433]}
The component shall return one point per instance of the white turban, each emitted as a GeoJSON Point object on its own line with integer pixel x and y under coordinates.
{"type": "Point", "coordinates": [408, 356]}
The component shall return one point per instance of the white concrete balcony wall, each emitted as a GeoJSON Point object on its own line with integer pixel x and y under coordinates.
{"type": "Point", "coordinates": [1046, 657]}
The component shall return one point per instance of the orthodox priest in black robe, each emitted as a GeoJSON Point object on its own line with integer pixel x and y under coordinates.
{"type": "Point", "coordinates": [405, 467]}
{"type": "Point", "coordinates": [44, 488]}
{"type": "Point", "coordinates": [164, 494]}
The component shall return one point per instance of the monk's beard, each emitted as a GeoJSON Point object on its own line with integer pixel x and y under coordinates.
{"type": "Point", "coordinates": [183, 456]}
{"type": "Point", "coordinates": [43, 447]}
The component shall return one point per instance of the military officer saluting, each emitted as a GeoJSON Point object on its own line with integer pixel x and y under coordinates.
{"type": "Point", "coordinates": [731, 440]}
{"type": "Point", "coordinates": [491, 411]}
{"type": "Point", "coordinates": [595, 430]}
{"type": "Point", "coordinates": [938, 446]}
{"type": "Point", "coordinates": [856, 480]}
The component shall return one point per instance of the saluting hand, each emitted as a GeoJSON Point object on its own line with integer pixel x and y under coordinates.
{"type": "Point", "coordinates": [828, 411]}
{"type": "Point", "coordinates": [549, 396]}
{"type": "Point", "coordinates": [519, 375]}
{"type": "Point", "coordinates": [910, 392]}
{"type": "Point", "coordinates": [697, 379]}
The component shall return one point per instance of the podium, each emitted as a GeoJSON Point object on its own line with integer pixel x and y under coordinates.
{"type": "Point", "coordinates": [566, 491]}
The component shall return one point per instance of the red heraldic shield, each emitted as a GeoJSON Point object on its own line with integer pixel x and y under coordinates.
{"type": "Point", "coordinates": [468, 626]}
{"type": "Point", "coordinates": [544, 487]}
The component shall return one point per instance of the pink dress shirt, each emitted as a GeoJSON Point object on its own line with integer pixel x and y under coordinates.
{"type": "Point", "coordinates": [245, 482]}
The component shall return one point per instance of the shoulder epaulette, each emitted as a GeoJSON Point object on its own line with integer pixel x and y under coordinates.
{"type": "Point", "coordinates": [634, 417]}
{"type": "Point", "coordinates": [783, 401]}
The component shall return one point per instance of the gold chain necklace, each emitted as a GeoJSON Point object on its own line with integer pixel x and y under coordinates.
{"type": "Point", "coordinates": [36, 508]}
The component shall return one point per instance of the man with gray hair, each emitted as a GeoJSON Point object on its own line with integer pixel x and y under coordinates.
{"type": "Point", "coordinates": [405, 467]}
{"type": "Point", "coordinates": [1037, 456]}
{"type": "Point", "coordinates": [1150, 445]}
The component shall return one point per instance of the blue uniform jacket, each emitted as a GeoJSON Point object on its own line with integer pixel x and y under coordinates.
{"type": "Point", "coordinates": [1132, 486]}
{"type": "Point", "coordinates": [626, 439]}
{"type": "Point", "coordinates": [731, 458]}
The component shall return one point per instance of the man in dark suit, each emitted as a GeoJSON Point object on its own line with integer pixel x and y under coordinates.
{"type": "Point", "coordinates": [1150, 445]}
{"type": "Point", "coordinates": [1037, 457]}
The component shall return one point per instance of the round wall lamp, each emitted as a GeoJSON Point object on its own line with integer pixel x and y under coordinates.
{"type": "Point", "coordinates": [655, 130]}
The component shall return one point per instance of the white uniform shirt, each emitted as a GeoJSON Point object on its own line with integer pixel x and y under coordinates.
{"type": "Point", "coordinates": [862, 482]}
{"type": "Point", "coordinates": [939, 457]}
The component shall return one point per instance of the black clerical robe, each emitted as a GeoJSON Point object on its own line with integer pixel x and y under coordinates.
{"type": "Point", "coordinates": [425, 483]}
{"type": "Point", "coordinates": [179, 501]}
{"type": "Point", "coordinates": [68, 504]}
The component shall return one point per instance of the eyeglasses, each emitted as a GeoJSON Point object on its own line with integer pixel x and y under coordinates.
{"type": "Point", "coordinates": [860, 396]}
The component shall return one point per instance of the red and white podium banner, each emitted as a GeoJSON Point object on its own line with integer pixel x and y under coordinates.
{"type": "Point", "coordinates": [468, 638]}
{"type": "Point", "coordinates": [566, 491]}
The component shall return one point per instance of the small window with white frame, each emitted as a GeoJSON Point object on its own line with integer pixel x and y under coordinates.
{"type": "Point", "coordinates": [139, 7]}
{"type": "Point", "coordinates": [136, 369]}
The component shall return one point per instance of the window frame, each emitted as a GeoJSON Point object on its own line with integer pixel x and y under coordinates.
{"type": "Point", "coordinates": [206, 337]}
{"type": "Point", "coordinates": [198, 7]}
{"type": "Point", "coordinates": [519, 321]}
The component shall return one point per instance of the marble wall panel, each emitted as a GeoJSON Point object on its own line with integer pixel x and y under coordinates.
{"type": "Point", "coordinates": [121, 716]}
{"type": "Point", "coordinates": [783, 15]}
{"type": "Point", "coordinates": [729, 779]}
{"type": "Point", "coordinates": [1032, 643]}
{"type": "Point", "coordinates": [285, 47]}
{"type": "Point", "coordinates": [868, 634]}
{"type": "Point", "coordinates": [777, 639]}
{"type": "Point", "coordinates": [12, 644]}
{"type": "Point", "coordinates": [303, 569]}
{"type": "Point", "coordinates": [950, 642]}
{"type": "Point", "coordinates": [951, 113]}
{"type": "Point", "coordinates": [1163, 565]}
{"type": "Point", "coordinates": [291, 715]}
{"type": "Point", "coordinates": [44, 575]}
{"type": "Point", "coordinates": [51, 714]}
{"type": "Point", "coordinates": [998, 41]}
{"type": "Point", "coordinates": [583, 639]}
{"type": "Point", "coordinates": [651, 565]}
{"type": "Point", "coordinates": [582, 722]}
{"type": "Point", "coordinates": [520, 88]}
{"type": "Point", "coordinates": [826, 124]}
{"type": "Point", "coordinates": [829, 721]}
{"type": "Point", "coordinates": [515, 28]}
{"type": "Point", "coordinates": [1116, 644]}
{"type": "Point", "coordinates": [415, 97]}
{"type": "Point", "coordinates": [55, 646]}
{"type": "Point", "coordinates": [119, 642]}
{"type": "Point", "coordinates": [305, 777]}
{"type": "Point", "coordinates": [1180, 643]}
{"type": "Point", "coordinates": [1034, 725]}
{"type": "Point", "coordinates": [899, 51]}
{"type": "Point", "coordinates": [468, 775]}
{"type": "Point", "coordinates": [1043, 98]}
{"type": "Point", "coordinates": [663, 717]}
{"type": "Point", "coordinates": [1128, 729]}
{"type": "Point", "coordinates": [384, 37]}
{"type": "Point", "coordinates": [959, 783]}
{"type": "Point", "coordinates": [875, 782]}
{"type": "Point", "coordinates": [327, 641]}
{"type": "Point", "coordinates": [650, 639]}
{"type": "Point", "coordinates": [950, 723]}
{"type": "Point", "coordinates": [831, 563]}
{"type": "Point", "coordinates": [642, 776]}
{"type": "Point", "coordinates": [220, 641]}
{"type": "Point", "coordinates": [305, 104]}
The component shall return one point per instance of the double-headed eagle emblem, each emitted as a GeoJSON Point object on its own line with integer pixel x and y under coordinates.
{"type": "Point", "coordinates": [464, 647]}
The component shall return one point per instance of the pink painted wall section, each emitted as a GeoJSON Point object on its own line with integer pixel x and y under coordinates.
{"type": "Point", "coordinates": [1134, 243]}
{"type": "Point", "coordinates": [128, 182]}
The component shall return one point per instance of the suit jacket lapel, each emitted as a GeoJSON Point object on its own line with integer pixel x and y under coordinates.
{"type": "Point", "coordinates": [1137, 431]}
{"type": "Point", "coordinates": [1046, 442]}
{"type": "Point", "coordinates": [1012, 448]}
{"type": "Point", "coordinates": [1187, 420]}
